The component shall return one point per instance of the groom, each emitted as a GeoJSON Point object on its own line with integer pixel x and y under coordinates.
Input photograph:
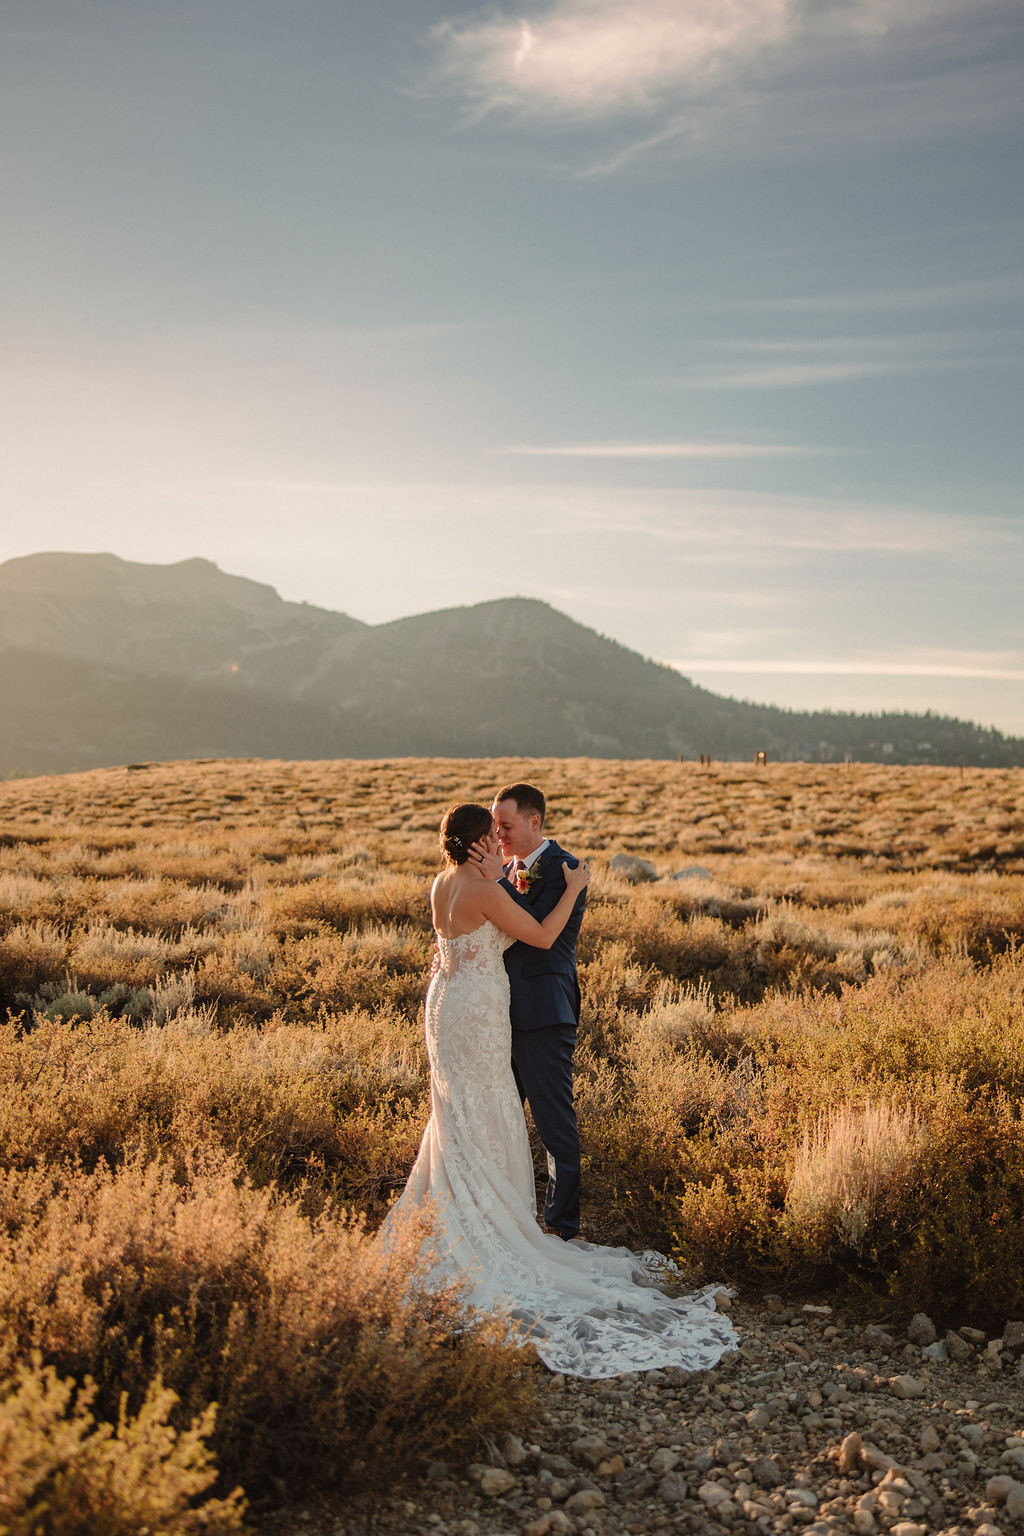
{"type": "Point", "coordinates": [545, 996]}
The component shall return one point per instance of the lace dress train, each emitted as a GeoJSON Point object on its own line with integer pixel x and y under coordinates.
{"type": "Point", "coordinates": [590, 1311]}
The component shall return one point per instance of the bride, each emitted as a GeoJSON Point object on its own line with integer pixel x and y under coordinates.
{"type": "Point", "coordinates": [589, 1311]}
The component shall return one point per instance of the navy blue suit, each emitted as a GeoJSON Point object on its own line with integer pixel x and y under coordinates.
{"type": "Point", "coordinates": [545, 1011]}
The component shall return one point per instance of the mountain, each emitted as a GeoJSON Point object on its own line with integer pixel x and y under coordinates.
{"type": "Point", "coordinates": [189, 619]}
{"type": "Point", "coordinates": [103, 660]}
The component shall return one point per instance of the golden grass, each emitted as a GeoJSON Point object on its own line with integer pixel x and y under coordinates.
{"type": "Point", "coordinates": [801, 1063]}
{"type": "Point", "coordinates": [856, 1161]}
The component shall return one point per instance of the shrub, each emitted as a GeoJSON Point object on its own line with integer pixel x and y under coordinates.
{"type": "Point", "coordinates": [326, 1353]}
{"type": "Point", "coordinates": [64, 1474]}
{"type": "Point", "coordinates": [177, 1176]}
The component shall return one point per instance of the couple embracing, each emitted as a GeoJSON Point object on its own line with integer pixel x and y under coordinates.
{"type": "Point", "coordinates": [501, 1016]}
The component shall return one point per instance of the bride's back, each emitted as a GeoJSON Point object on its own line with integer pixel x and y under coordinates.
{"type": "Point", "coordinates": [455, 903]}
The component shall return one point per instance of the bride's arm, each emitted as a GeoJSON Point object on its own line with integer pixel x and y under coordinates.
{"type": "Point", "coordinates": [495, 902]}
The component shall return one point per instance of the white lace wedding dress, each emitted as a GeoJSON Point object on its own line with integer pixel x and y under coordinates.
{"type": "Point", "coordinates": [589, 1311]}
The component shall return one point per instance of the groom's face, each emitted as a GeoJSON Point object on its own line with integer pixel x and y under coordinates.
{"type": "Point", "coordinates": [518, 831]}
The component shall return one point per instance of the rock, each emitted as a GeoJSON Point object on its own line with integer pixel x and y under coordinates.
{"type": "Point", "coordinates": [495, 1481]}
{"type": "Point", "coordinates": [974, 1336]}
{"type": "Point", "coordinates": [933, 1462]}
{"type": "Point", "coordinates": [921, 1329]}
{"type": "Point", "coordinates": [876, 1460]}
{"type": "Point", "coordinates": [755, 1511]}
{"type": "Point", "coordinates": [908, 1528]}
{"type": "Point", "coordinates": [937, 1352]}
{"type": "Point", "coordinates": [436, 1471]}
{"type": "Point", "coordinates": [692, 872]}
{"type": "Point", "coordinates": [672, 1489]}
{"type": "Point", "coordinates": [997, 1488]}
{"type": "Point", "coordinates": [849, 1452]}
{"type": "Point", "coordinates": [726, 1451]}
{"type": "Point", "coordinates": [591, 1449]}
{"type": "Point", "coordinates": [987, 1530]}
{"type": "Point", "coordinates": [560, 1465]}
{"type": "Point", "coordinates": [1013, 1337]}
{"type": "Point", "coordinates": [959, 1349]}
{"type": "Point", "coordinates": [676, 1376]}
{"type": "Point", "coordinates": [805, 1497]}
{"type": "Point", "coordinates": [929, 1440]}
{"type": "Point", "coordinates": [552, 1523]}
{"type": "Point", "coordinates": [559, 1489]}
{"type": "Point", "coordinates": [713, 1495]}
{"type": "Point", "coordinates": [663, 1460]}
{"type": "Point", "coordinates": [906, 1386]}
{"type": "Point", "coordinates": [611, 1466]}
{"type": "Point", "coordinates": [1015, 1502]}
{"type": "Point", "coordinates": [863, 1522]}
{"type": "Point", "coordinates": [723, 1301]}
{"type": "Point", "coordinates": [587, 1499]}
{"type": "Point", "coordinates": [513, 1450]}
{"type": "Point", "coordinates": [877, 1338]}
{"type": "Point", "coordinates": [766, 1473]}
{"type": "Point", "coordinates": [759, 1417]}
{"type": "Point", "coordinates": [633, 870]}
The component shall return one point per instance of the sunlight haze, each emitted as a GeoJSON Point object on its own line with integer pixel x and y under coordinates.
{"type": "Point", "coordinates": [700, 322]}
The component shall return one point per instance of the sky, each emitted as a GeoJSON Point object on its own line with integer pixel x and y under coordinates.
{"type": "Point", "coordinates": [700, 320]}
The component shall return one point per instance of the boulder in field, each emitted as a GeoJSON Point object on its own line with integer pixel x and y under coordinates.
{"type": "Point", "coordinates": [633, 870]}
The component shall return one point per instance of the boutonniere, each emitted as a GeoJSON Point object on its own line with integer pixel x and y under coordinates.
{"type": "Point", "coordinates": [526, 879]}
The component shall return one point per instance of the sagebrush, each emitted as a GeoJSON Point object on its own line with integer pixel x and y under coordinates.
{"type": "Point", "coordinates": [801, 1062]}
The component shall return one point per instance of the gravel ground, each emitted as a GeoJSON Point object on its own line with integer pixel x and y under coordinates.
{"type": "Point", "coordinates": [815, 1425]}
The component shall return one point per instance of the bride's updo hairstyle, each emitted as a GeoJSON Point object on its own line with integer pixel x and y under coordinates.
{"type": "Point", "coordinates": [462, 826]}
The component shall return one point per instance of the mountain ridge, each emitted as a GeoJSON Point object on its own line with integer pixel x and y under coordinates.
{"type": "Point", "coordinates": [106, 659]}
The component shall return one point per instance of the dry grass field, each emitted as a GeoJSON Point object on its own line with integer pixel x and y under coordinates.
{"type": "Point", "coordinates": [801, 1064]}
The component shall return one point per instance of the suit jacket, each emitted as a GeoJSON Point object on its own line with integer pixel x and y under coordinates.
{"type": "Point", "coordinates": [543, 983]}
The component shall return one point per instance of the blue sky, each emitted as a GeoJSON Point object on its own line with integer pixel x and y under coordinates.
{"type": "Point", "coordinates": [699, 319]}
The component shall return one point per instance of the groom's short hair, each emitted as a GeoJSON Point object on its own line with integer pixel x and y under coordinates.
{"type": "Point", "coordinates": [528, 798]}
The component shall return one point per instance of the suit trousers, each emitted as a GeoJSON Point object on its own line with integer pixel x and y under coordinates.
{"type": "Point", "coordinates": [542, 1064]}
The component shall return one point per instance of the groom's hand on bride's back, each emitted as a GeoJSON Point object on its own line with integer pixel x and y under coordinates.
{"type": "Point", "coordinates": [576, 876]}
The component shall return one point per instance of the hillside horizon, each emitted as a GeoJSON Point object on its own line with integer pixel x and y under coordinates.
{"type": "Point", "coordinates": [106, 660]}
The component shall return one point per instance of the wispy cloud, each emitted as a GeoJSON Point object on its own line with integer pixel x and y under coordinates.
{"type": "Point", "coordinates": [657, 451]}
{"type": "Point", "coordinates": [707, 526]}
{"type": "Point", "coordinates": [585, 58]}
{"type": "Point", "coordinates": [853, 667]}
{"type": "Point", "coordinates": [688, 69]}
{"type": "Point", "coordinates": [973, 292]}
{"type": "Point", "coordinates": [793, 363]}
